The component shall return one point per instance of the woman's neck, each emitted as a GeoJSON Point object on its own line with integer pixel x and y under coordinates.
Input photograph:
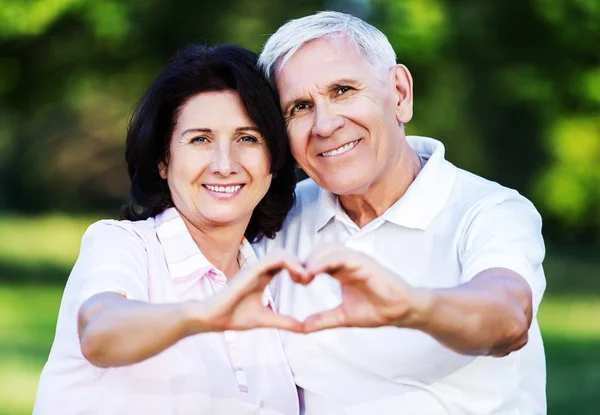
{"type": "Point", "coordinates": [219, 244]}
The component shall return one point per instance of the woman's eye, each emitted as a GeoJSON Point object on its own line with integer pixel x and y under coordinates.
{"type": "Point", "coordinates": [343, 89]}
{"type": "Point", "coordinates": [249, 139]}
{"type": "Point", "coordinates": [200, 139]}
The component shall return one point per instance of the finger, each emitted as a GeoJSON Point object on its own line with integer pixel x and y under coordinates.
{"type": "Point", "coordinates": [297, 273]}
{"type": "Point", "coordinates": [307, 278]}
{"type": "Point", "coordinates": [334, 261]}
{"type": "Point", "coordinates": [278, 321]}
{"type": "Point", "coordinates": [280, 260]}
{"type": "Point", "coordinates": [256, 277]}
{"type": "Point", "coordinates": [326, 320]}
{"type": "Point", "coordinates": [321, 259]}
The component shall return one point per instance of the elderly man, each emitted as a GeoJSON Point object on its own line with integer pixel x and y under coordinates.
{"type": "Point", "coordinates": [446, 265]}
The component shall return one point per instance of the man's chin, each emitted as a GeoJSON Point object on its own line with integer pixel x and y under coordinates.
{"type": "Point", "coordinates": [345, 187]}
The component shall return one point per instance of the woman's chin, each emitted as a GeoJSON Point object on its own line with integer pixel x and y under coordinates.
{"type": "Point", "coordinates": [225, 218]}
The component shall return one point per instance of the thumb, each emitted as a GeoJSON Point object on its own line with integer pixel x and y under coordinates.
{"type": "Point", "coordinates": [325, 320]}
{"type": "Point", "coordinates": [273, 320]}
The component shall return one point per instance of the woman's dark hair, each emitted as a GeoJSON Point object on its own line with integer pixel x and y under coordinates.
{"type": "Point", "coordinates": [193, 70]}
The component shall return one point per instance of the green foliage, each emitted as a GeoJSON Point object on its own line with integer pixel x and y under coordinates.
{"type": "Point", "coordinates": [512, 88]}
{"type": "Point", "coordinates": [30, 18]}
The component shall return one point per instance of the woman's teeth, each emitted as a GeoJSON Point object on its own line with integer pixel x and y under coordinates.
{"type": "Point", "coordinates": [224, 189]}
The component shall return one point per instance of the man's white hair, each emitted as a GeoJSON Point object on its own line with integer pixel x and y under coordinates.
{"type": "Point", "coordinates": [290, 37]}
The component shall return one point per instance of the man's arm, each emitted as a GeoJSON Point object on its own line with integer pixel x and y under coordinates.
{"type": "Point", "coordinates": [489, 315]}
{"type": "Point", "coordinates": [490, 309]}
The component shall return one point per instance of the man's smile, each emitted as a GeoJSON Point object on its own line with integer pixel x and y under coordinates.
{"type": "Point", "coordinates": [340, 150]}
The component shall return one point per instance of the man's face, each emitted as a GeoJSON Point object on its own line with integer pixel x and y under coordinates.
{"type": "Point", "coordinates": [342, 118]}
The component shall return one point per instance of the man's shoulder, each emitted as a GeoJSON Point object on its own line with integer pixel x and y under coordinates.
{"type": "Point", "coordinates": [307, 193]}
{"type": "Point", "coordinates": [472, 187]}
{"type": "Point", "coordinates": [299, 220]}
{"type": "Point", "coordinates": [474, 194]}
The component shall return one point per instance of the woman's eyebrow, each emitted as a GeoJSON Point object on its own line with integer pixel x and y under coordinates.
{"type": "Point", "coordinates": [196, 130]}
{"type": "Point", "coordinates": [248, 128]}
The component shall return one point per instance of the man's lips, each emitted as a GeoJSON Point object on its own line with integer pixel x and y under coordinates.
{"type": "Point", "coordinates": [340, 150]}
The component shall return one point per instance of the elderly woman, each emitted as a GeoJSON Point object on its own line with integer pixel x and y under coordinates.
{"type": "Point", "coordinates": [155, 315]}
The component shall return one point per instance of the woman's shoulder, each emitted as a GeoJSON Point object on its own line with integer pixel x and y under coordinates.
{"type": "Point", "coordinates": [120, 231]}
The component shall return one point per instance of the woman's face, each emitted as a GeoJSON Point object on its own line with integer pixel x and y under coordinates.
{"type": "Point", "coordinates": [218, 168]}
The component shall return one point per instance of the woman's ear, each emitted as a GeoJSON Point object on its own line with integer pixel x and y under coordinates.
{"type": "Point", "coordinates": [162, 170]}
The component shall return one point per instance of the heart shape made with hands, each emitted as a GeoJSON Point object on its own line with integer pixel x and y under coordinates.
{"type": "Point", "coordinates": [372, 296]}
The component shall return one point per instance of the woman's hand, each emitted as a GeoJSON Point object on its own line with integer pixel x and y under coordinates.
{"type": "Point", "coordinates": [240, 305]}
{"type": "Point", "coordinates": [115, 331]}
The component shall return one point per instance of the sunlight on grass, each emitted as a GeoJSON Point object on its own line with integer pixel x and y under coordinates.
{"type": "Point", "coordinates": [24, 322]}
{"type": "Point", "coordinates": [26, 335]}
{"type": "Point", "coordinates": [52, 239]}
{"type": "Point", "coordinates": [570, 317]}
{"type": "Point", "coordinates": [18, 384]}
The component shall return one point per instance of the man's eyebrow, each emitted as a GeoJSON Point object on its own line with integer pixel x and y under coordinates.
{"type": "Point", "coordinates": [293, 101]}
{"type": "Point", "coordinates": [340, 82]}
{"type": "Point", "coordinates": [332, 85]}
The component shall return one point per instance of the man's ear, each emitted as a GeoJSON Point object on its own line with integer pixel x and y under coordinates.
{"type": "Point", "coordinates": [162, 170]}
{"type": "Point", "coordinates": [403, 83]}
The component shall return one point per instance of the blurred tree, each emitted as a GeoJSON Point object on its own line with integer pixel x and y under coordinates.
{"type": "Point", "coordinates": [512, 88]}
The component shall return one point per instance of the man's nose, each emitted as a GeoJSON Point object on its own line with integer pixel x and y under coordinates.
{"type": "Point", "coordinates": [327, 121]}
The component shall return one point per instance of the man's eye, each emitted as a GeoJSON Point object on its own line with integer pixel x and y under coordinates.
{"type": "Point", "coordinates": [342, 90]}
{"type": "Point", "coordinates": [299, 107]}
{"type": "Point", "coordinates": [249, 139]}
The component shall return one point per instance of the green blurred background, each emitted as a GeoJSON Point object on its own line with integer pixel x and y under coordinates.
{"type": "Point", "coordinates": [512, 88]}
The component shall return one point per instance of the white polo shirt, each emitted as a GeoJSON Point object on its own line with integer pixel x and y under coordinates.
{"type": "Point", "coordinates": [449, 226]}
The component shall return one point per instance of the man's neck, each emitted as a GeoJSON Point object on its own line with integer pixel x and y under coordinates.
{"type": "Point", "coordinates": [387, 190]}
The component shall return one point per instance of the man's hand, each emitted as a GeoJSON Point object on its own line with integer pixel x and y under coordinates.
{"type": "Point", "coordinates": [489, 315]}
{"type": "Point", "coordinates": [239, 306]}
{"type": "Point", "coordinates": [372, 296]}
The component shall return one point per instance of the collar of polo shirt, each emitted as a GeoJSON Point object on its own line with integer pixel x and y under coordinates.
{"type": "Point", "coordinates": [421, 203]}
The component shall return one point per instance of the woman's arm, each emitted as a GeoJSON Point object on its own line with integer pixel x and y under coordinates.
{"type": "Point", "coordinates": [115, 331]}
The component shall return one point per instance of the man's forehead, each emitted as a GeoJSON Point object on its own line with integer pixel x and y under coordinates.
{"type": "Point", "coordinates": [319, 63]}
{"type": "Point", "coordinates": [317, 51]}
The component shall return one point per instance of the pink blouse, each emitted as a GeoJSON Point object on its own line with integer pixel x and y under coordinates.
{"type": "Point", "coordinates": [157, 261]}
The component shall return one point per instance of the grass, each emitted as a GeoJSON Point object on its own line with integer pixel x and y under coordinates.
{"type": "Point", "coordinates": [570, 326]}
{"type": "Point", "coordinates": [27, 322]}
{"type": "Point", "coordinates": [36, 255]}
{"type": "Point", "coordinates": [39, 249]}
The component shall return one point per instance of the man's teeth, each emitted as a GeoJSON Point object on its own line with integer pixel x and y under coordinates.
{"type": "Point", "coordinates": [224, 189]}
{"type": "Point", "coordinates": [341, 150]}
